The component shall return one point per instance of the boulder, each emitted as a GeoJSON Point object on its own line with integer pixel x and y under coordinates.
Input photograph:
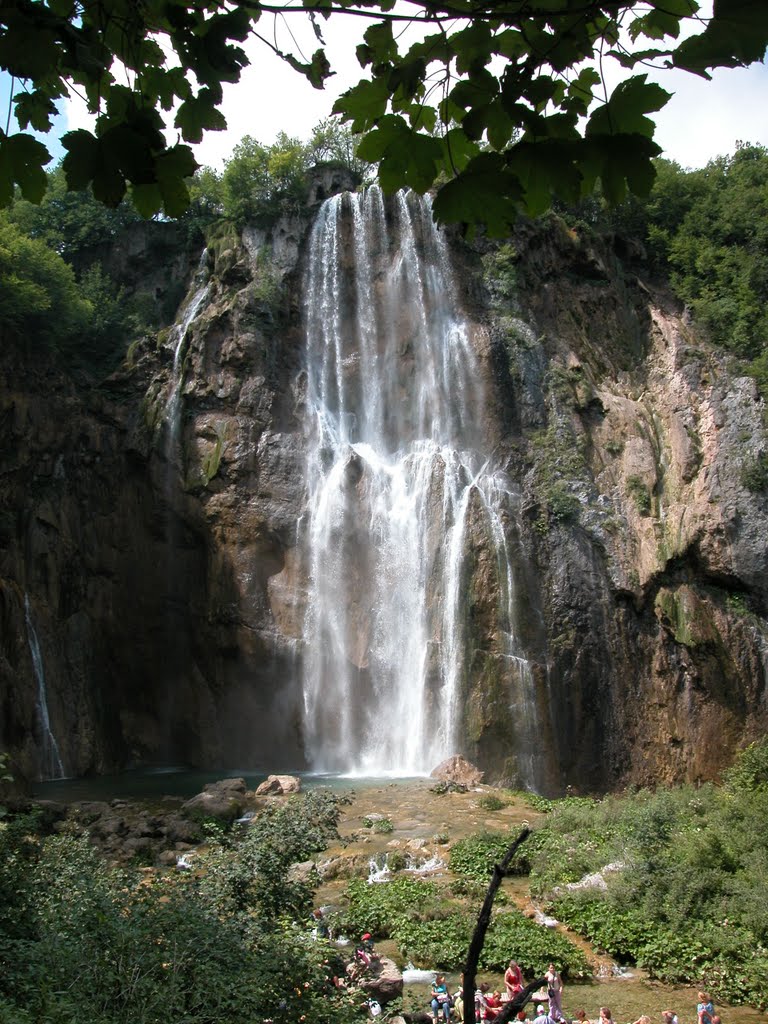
{"type": "Point", "coordinates": [305, 871]}
{"type": "Point", "coordinates": [279, 784]}
{"type": "Point", "coordinates": [383, 981]}
{"type": "Point", "coordinates": [458, 770]}
{"type": "Point", "coordinates": [224, 800]}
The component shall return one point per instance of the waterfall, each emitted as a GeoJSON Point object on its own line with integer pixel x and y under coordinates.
{"type": "Point", "coordinates": [177, 338]}
{"type": "Point", "coordinates": [398, 474]}
{"type": "Point", "coordinates": [52, 766]}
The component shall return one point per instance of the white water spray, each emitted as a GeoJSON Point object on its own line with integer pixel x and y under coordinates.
{"type": "Point", "coordinates": [397, 475]}
{"type": "Point", "coordinates": [51, 763]}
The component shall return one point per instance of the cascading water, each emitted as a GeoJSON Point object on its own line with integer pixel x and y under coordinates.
{"type": "Point", "coordinates": [52, 766]}
{"type": "Point", "coordinates": [177, 338]}
{"type": "Point", "coordinates": [396, 472]}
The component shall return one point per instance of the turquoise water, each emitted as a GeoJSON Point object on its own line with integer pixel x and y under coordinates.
{"type": "Point", "coordinates": [176, 780]}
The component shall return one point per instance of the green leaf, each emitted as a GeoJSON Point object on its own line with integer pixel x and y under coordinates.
{"type": "Point", "coordinates": [458, 150]}
{"type": "Point", "coordinates": [23, 158]}
{"type": "Point", "coordinates": [657, 24]}
{"type": "Point", "coordinates": [80, 162]}
{"type": "Point", "coordinates": [406, 157]}
{"type": "Point", "coordinates": [315, 72]}
{"type": "Point", "coordinates": [175, 196]}
{"type": "Point", "coordinates": [30, 51]}
{"type": "Point", "coordinates": [473, 47]}
{"type": "Point", "coordinates": [475, 92]}
{"type": "Point", "coordinates": [363, 104]}
{"type": "Point", "coordinates": [620, 161]}
{"type": "Point", "coordinates": [34, 108]}
{"type": "Point", "coordinates": [580, 93]}
{"type": "Point", "coordinates": [176, 162]}
{"type": "Point", "coordinates": [544, 170]}
{"type": "Point", "coordinates": [380, 44]}
{"type": "Point", "coordinates": [147, 199]}
{"type": "Point", "coordinates": [736, 35]}
{"type": "Point", "coordinates": [199, 114]}
{"type": "Point", "coordinates": [482, 194]}
{"type": "Point", "coordinates": [374, 144]}
{"type": "Point", "coordinates": [624, 113]}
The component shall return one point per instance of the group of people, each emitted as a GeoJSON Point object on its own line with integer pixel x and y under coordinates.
{"type": "Point", "coordinates": [488, 1005]}
{"type": "Point", "coordinates": [447, 1007]}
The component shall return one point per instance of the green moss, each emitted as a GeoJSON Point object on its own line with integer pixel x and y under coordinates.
{"type": "Point", "coordinates": [211, 462]}
{"type": "Point", "coordinates": [640, 494]}
{"type": "Point", "coordinates": [614, 446]}
{"type": "Point", "coordinates": [222, 235]}
{"type": "Point", "coordinates": [754, 473]}
{"type": "Point", "coordinates": [500, 272]}
{"type": "Point", "coordinates": [687, 617]}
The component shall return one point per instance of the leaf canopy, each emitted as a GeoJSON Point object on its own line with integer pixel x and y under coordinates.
{"type": "Point", "coordinates": [500, 104]}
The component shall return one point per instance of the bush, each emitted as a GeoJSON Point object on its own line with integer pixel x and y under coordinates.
{"type": "Point", "coordinates": [687, 903]}
{"type": "Point", "coordinates": [476, 855]}
{"type": "Point", "coordinates": [491, 802]}
{"type": "Point", "coordinates": [749, 772]}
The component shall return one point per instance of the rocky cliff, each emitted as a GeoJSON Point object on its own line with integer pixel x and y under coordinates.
{"type": "Point", "coordinates": [165, 581]}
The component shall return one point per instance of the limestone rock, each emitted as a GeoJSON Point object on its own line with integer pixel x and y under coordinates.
{"type": "Point", "coordinates": [225, 800]}
{"type": "Point", "coordinates": [278, 785]}
{"type": "Point", "coordinates": [457, 769]}
{"type": "Point", "coordinates": [304, 871]}
{"type": "Point", "coordinates": [383, 981]}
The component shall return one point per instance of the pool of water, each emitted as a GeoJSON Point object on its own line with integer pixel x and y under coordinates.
{"type": "Point", "coordinates": [176, 780]}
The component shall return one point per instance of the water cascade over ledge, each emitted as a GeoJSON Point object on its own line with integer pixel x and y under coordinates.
{"type": "Point", "coordinates": [404, 500]}
{"type": "Point", "coordinates": [52, 766]}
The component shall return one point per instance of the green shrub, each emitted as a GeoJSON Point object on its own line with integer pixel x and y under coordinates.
{"type": "Point", "coordinates": [476, 855]}
{"type": "Point", "coordinates": [641, 496]}
{"type": "Point", "coordinates": [381, 825]}
{"type": "Point", "coordinates": [749, 772]}
{"type": "Point", "coordinates": [379, 908]}
{"type": "Point", "coordinates": [491, 802]}
{"type": "Point", "coordinates": [754, 473]}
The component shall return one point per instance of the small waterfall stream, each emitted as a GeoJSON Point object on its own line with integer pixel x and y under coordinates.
{"type": "Point", "coordinates": [398, 475]}
{"type": "Point", "coordinates": [52, 766]}
{"type": "Point", "coordinates": [177, 339]}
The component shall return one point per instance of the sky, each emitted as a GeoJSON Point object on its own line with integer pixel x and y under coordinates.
{"type": "Point", "coordinates": [704, 119]}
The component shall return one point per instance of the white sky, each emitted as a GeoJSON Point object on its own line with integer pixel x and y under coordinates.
{"type": "Point", "coordinates": [704, 119]}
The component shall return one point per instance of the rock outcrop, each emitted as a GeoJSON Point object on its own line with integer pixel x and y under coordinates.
{"type": "Point", "coordinates": [458, 770]}
{"type": "Point", "coordinates": [277, 785]}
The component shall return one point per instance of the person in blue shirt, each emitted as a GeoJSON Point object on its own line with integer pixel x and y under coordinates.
{"type": "Point", "coordinates": [441, 999]}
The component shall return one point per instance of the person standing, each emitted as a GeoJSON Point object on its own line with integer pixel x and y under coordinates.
{"type": "Point", "coordinates": [513, 979]}
{"type": "Point", "coordinates": [555, 993]}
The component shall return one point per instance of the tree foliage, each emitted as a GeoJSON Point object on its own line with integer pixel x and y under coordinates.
{"type": "Point", "coordinates": [83, 940]}
{"type": "Point", "coordinates": [706, 231]}
{"type": "Point", "coordinates": [504, 104]}
{"type": "Point", "coordinates": [39, 299]}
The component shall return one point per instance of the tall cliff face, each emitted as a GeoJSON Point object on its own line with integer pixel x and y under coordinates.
{"type": "Point", "coordinates": [653, 585]}
{"type": "Point", "coordinates": [162, 557]}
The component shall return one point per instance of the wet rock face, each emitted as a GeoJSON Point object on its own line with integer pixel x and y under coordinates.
{"type": "Point", "coordinates": [168, 593]}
